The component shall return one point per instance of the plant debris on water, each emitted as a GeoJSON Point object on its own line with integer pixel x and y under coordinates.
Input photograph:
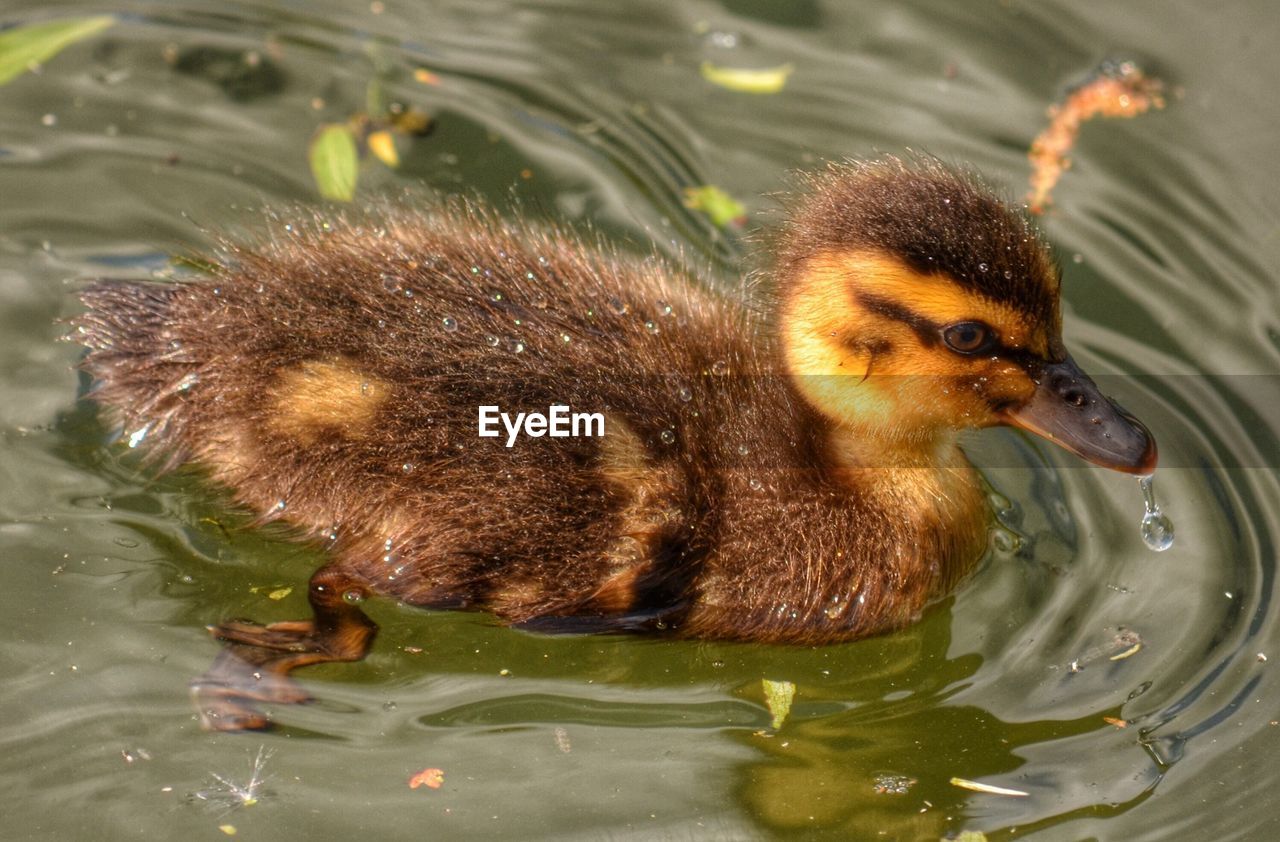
{"type": "Point", "coordinates": [722, 209]}
{"type": "Point", "coordinates": [1117, 89]}
{"type": "Point", "coordinates": [24, 48]}
{"type": "Point", "coordinates": [778, 696]}
{"type": "Point", "coordinates": [989, 789]}
{"type": "Point", "coordinates": [430, 778]}
{"type": "Point", "coordinates": [767, 80]}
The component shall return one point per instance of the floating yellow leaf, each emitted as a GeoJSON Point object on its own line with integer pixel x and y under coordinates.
{"type": "Point", "coordinates": [990, 789]}
{"type": "Point", "coordinates": [24, 47]}
{"type": "Point", "coordinates": [723, 209]}
{"type": "Point", "coordinates": [335, 162]}
{"type": "Point", "coordinates": [279, 593]}
{"type": "Point", "coordinates": [1128, 653]}
{"type": "Point", "coordinates": [971, 836]}
{"type": "Point", "coordinates": [767, 80]}
{"type": "Point", "coordinates": [228, 829]}
{"type": "Point", "coordinates": [426, 77]}
{"type": "Point", "coordinates": [383, 146]}
{"type": "Point", "coordinates": [778, 696]}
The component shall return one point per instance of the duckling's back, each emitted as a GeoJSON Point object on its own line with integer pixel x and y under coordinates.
{"type": "Point", "coordinates": [335, 378]}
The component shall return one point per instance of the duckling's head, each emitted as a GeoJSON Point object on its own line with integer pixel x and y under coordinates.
{"type": "Point", "coordinates": [914, 303]}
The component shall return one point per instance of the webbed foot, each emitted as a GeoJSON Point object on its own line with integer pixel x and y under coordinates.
{"type": "Point", "coordinates": [254, 665]}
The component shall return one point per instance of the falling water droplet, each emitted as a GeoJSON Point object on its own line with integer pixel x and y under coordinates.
{"type": "Point", "coordinates": [1157, 529]}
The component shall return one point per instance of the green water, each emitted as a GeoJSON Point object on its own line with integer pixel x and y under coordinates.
{"type": "Point", "coordinates": [185, 118]}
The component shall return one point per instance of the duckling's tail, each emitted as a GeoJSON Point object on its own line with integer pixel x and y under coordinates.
{"type": "Point", "coordinates": [140, 370]}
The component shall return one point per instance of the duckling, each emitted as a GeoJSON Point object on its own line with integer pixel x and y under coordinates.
{"type": "Point", "coordinates": [781, 467]}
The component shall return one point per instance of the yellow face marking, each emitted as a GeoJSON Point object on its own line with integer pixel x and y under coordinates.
{"type": "Point", "coordinates": [326, 396]}
{"type": "Point", "coordinates": [868, 370]}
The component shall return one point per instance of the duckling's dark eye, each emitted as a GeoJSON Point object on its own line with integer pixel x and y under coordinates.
{"type": "Point", "coordinates": [968, 337]}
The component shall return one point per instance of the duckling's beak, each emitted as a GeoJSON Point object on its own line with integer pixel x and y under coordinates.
{"type": "Point", "coordinates": [1068, 409]}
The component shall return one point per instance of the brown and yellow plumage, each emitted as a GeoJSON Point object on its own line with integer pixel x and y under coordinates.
{"type": "Point", "coordinates": [786, 473]}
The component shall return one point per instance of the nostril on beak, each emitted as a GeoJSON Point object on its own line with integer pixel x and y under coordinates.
{"type": "Point", "coordinates": [1075, 398]}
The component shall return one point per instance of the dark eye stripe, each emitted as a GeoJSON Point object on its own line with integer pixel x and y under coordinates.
{"type": "Point", "coordinates": [930, 332]}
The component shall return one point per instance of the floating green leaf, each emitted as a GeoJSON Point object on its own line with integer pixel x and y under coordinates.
{"type": "Point", "coordinates": [335, 162]}
{"type": "Point", "coordinates": [723, 209]}
{"type": "Point", "coordinates": [778, 696]}
{"type": "Point", "coordinates": [24, 47]}
{"type": "Point", "coordinates": [768, 80]}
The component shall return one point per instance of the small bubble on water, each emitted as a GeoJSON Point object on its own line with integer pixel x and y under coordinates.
{"type": "Point", "coordinates": [449, 323]}
{"type": "Point", "coordinates": [1157, 528]}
